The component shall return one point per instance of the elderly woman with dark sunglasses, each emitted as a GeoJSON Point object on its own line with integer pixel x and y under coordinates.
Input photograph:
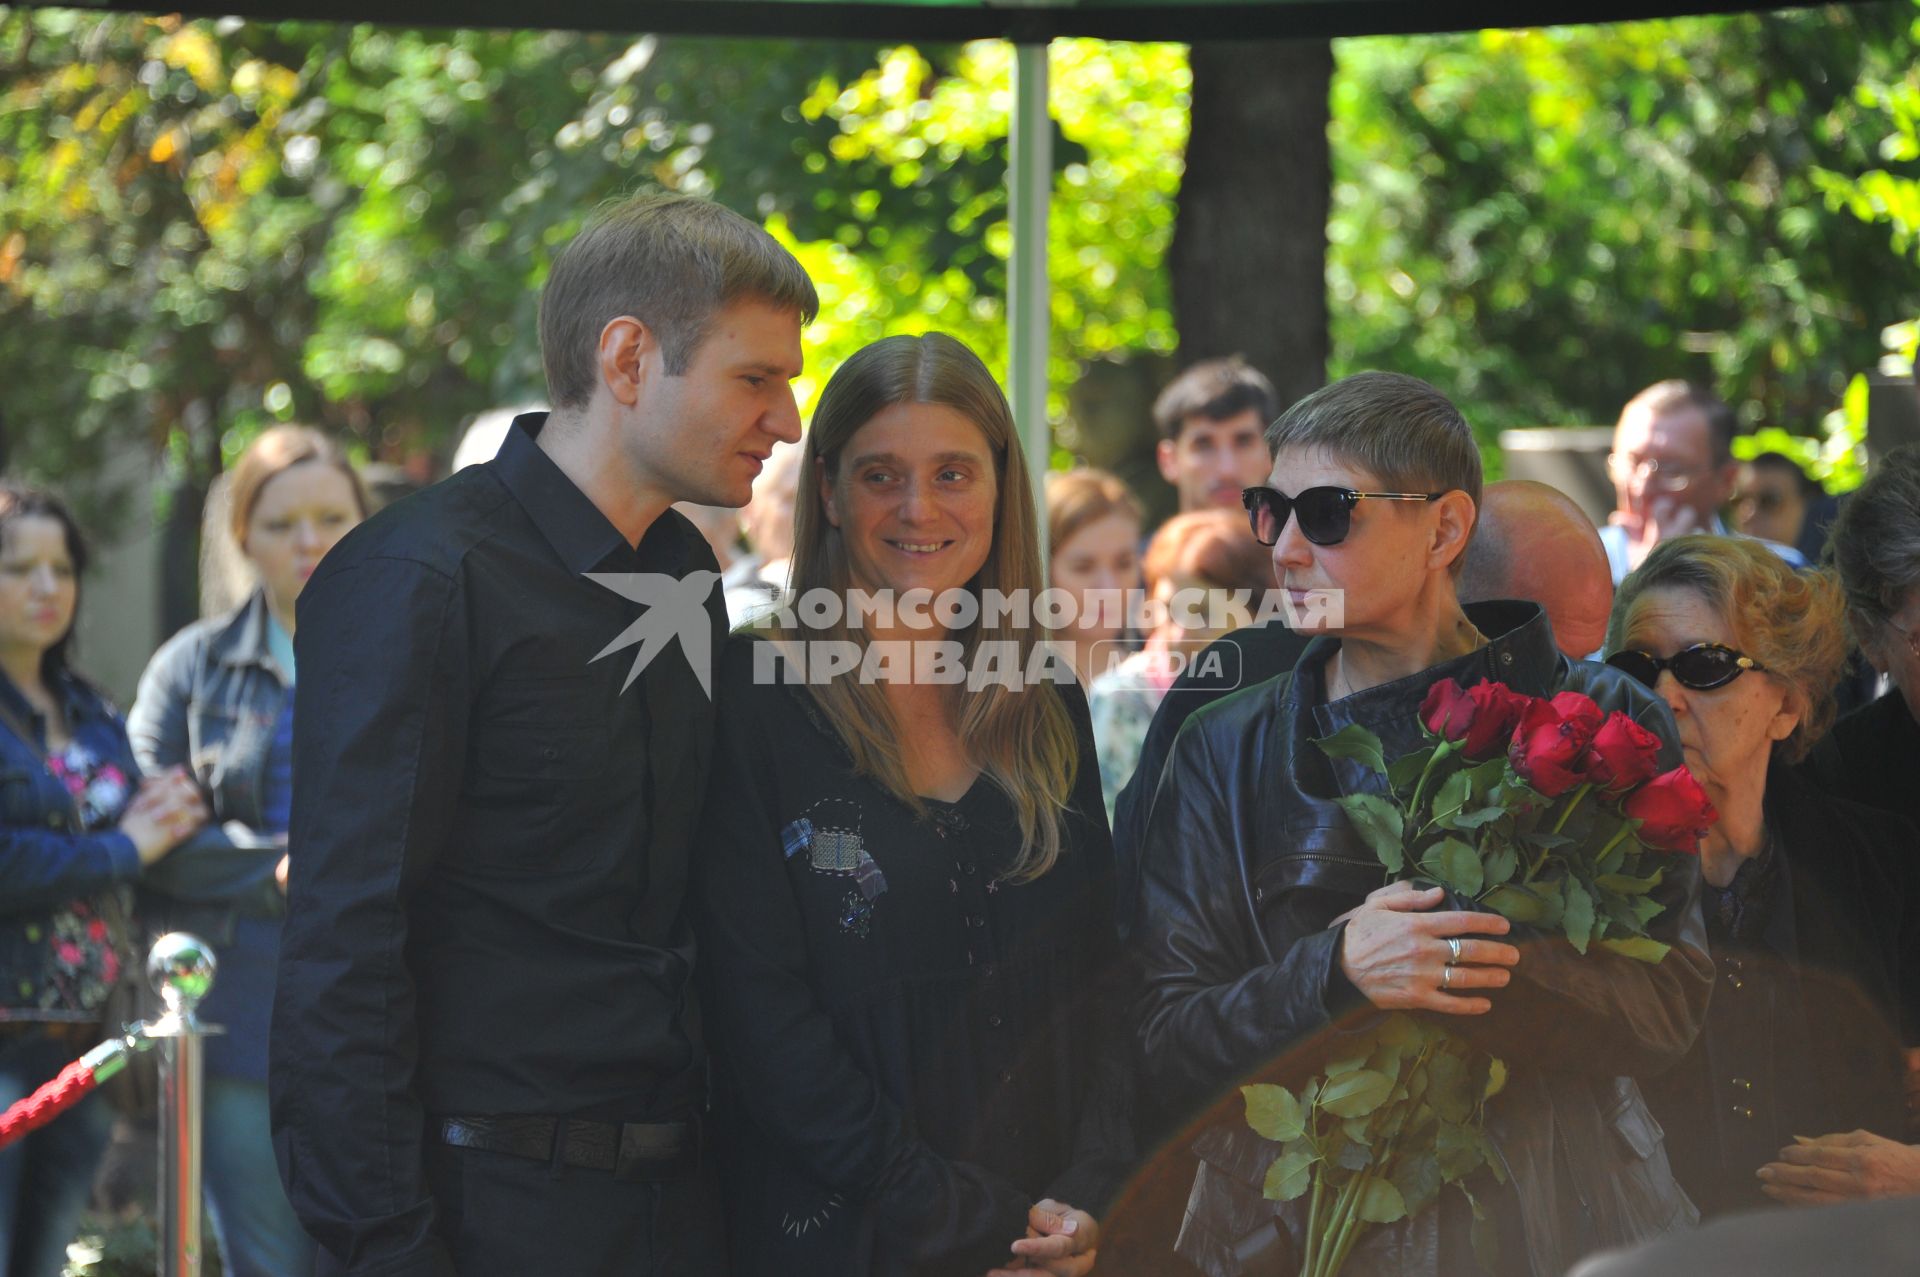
{"type": "Point", "coordinates": [1811, 903]}
{"type": "Point", "coordinates": [1262, 927]}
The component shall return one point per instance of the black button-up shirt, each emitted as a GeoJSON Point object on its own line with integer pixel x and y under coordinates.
{"type": "Point", "coordinates": [489, 843]}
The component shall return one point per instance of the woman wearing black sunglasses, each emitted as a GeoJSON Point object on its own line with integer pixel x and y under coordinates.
{"type": "Point", "coordinates": [1261, 923]}
{"type": "Point", "coordinates": [1812, 909]}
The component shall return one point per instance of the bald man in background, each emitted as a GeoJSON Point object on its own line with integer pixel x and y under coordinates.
{"type": "Point", "coordinates": [1533, 542]}
{"type": "Point", "coordinates": [1530, 542]}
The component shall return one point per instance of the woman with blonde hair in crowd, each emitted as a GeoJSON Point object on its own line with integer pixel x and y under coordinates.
{"type": "Point", "coordinates": [1205, 576]}
{"type": "Point", "coordinates": [1093, 539]}
{"type": "Point", "coordinates": [906, 879]}
{"type": "Point", "coordinates": [218, 698]}
{"type": "Point", "coordinates": [77, 825]}
{"type": "Point", "coordinates": [1812, 911]}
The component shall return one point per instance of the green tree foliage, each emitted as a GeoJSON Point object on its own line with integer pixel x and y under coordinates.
{"type": "Point", "coordinates": [205, 227]}
{"type": "Point", "coordinates": [1544, 221]}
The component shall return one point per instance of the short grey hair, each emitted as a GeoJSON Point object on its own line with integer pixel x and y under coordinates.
{"type": "Point", "coordinates": [1875, 542]}
{"type": "Point", "coordinates": [670, 261]}
{"type": "Point", "coordinates": [1398, 428]}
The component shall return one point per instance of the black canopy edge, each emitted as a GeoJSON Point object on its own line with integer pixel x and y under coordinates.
{"type": "Point", "coordinates": [1304, 19]}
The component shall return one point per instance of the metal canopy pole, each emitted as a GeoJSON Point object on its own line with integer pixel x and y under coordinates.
{"type": "Point", "coordinates": [1029, 313]}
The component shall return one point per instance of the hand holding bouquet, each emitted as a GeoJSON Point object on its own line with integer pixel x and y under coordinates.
{"type": "Point", "coordinates": [1547, 811]}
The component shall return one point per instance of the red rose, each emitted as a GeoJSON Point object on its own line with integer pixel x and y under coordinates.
{"type": "Point", "coordinates": [1448, 710]}
{"type": "Point", "coordinates": [1623, 754]}
{"type": "Point", "coordinates": [1480, 719]}
{"type": "Point", "coordinates": [1673, 811]}
{"type": "Point", "coordinates": [1550, 745]}
{"type": "Point", "coordinates": [1497, 710]}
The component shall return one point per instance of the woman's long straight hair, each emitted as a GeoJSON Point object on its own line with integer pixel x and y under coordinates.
{"type": "Point", "coordinates": [1021, 737]}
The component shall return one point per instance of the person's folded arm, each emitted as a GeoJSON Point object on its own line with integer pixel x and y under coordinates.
{"type": "Point", "coordinates": [44, 868]}
{"type": "Point", "coordinates": [225, 861]}
{"type": "Point", "coordinates": [380, 735]}
{"type": "Point", "coordinates": [801, 1088]}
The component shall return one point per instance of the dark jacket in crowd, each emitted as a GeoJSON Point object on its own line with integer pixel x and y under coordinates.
{"type": "Point", "coordinates": [1247, 860]}
{"type": "Point", "coordinates": [489, 851]}
{"type": "Point", "coordinates": [1229, 664]}
{"type": "Point", "coordinates": [51, 857]}
{"type": "Point", "coordinates": [210, 700]}
{"type": "Point", "coordinates": [910, 1049]}
{"type": "Point", "coordinates": [1817, 945]}
{"type": "Point", "coordinates": [1872, 757]}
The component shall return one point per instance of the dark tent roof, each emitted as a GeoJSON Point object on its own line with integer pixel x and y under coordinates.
{"type": "Point", "coordinates": [940, 20]}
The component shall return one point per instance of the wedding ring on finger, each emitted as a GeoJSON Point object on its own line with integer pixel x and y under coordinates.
{"type": "Point", "coordinates": [1453, 950]}
{"type": "Point", "coordinates": [1446, 977]}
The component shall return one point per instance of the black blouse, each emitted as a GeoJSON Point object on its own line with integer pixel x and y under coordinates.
{"type": "Point", "coordinates": [905, 1043]}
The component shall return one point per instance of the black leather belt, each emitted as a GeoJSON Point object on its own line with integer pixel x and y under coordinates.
{"type": "Point", "coordinates": [652, 1151]}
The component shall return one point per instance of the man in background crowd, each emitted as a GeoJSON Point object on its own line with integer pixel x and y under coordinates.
{"type": "Point", "coordinates": [1212, 420]}
{"type": "Point", "coordinates": [1672, 468]}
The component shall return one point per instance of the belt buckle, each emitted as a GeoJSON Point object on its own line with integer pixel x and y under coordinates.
{"type": "Point", "coordinates": [655, 1152]}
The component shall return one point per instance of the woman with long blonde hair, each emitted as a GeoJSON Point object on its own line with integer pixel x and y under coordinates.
{"type": "Point", "coordinates": [906, 879]}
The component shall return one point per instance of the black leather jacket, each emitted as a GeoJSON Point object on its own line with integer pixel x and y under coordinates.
{"type": "Point", "coordinates": [1247, 858]}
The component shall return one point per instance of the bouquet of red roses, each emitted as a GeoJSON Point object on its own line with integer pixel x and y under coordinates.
{"type": "Point", "coordinates": [1546, 811]}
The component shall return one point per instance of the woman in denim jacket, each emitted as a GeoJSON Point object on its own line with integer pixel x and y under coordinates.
{"type": "Point", "coordinates": [76, 827]}
{"type": "Point", "coordinates": [218, 698]}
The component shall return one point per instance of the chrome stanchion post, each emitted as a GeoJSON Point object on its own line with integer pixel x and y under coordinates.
{"type": "Point", "coordinates": [180, 967]}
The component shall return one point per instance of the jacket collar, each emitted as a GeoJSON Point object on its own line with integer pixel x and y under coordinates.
{"type": "Point", "coordinates": [243, 639]}
{"type": "Point", "coordinates": [78, 701]}
{"type": "Point", "coordinates": [1520, 653]}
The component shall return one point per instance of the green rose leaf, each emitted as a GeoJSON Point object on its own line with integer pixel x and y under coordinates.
{"type": "Point", "coordinates": [1418, 1179]}
{"type": "Point", "coordinates": [1274, 1112]}
{"type": "Point", "coordinates": [1639, 947]}
{"type": "Point", "coordinates": [1380, 824]}
{"type": "Point", "coordinates": [1577, 921]}
{"type": "Point", "coordinates": [1289, 1176]}
{"type": "Point", "coordinates": [1401, 1031]}
{"type": "Point", "coordinates": [1496, 1078]}
{"type": "Point", "coordinates": [1457, 865]}
{"type": "Point", "coordinates": [1453, 795]}
{"type": "Point", "coordinates": [1523, 904]}
{"type": "Point", "coordinates": [1404, 771]}
{"type": "Point", "coordinates": [1357, 743]}
{"type": "Point", "coordinates": [1450, 1088]}
{"type": "Point", "coordinates": [1475, 819]}
{"type": "Point", "coordinates": [1459, 1150]}
{"type": "Point", "coordinates": [1627, 885]}
{"type": "Point", "coordinates": [1501, 863]}
{"type": "Point", "coordinates": [1356, 1094]}
{"type": "Point", "coordinates": [1485, 777]}
{"type": "Point", "coordinates": [1646, 909]}
{"type": "Point", "coordinates": [1354, 1156]}
{"type": "Point", "coordinates": [1382, 1203]}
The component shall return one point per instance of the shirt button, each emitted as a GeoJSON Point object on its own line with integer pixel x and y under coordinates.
{"type": "Point", "coordinates": [975, 920]}
{"type": "Point", "coordinates": [1506, 658]}
{"type": "Point", "coordinates": [994, 1021]}
{"type": "Point", "coordinates": [967, 869]}
{"type": "Point", "coordinates": [1741, 1084]}
{"type": "Point", "coordinates": [989, 971]}
{"type": "Point", "coordinates": [1741, 1110]}
{"type": "Point", "coordinates": [549, 753]}
{"type": "Point", "coordinates": [1006, 1075]}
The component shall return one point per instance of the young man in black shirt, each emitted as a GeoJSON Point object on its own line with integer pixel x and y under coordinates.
{"type": "Point", "coordinates": [483, 1058]}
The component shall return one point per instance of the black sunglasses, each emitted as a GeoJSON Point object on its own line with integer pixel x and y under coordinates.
{"type": "Point", "coordinates": [1326, 514]}
{"type": "Point", "coordinates": [1703, 667]}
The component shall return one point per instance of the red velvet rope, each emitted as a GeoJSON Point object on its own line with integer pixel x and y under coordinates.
{"type": "Point", "coordinates": [47, 1103]}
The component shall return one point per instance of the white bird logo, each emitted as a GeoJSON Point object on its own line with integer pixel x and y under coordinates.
{"type": "Point", "coordinates": [676, 606]}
